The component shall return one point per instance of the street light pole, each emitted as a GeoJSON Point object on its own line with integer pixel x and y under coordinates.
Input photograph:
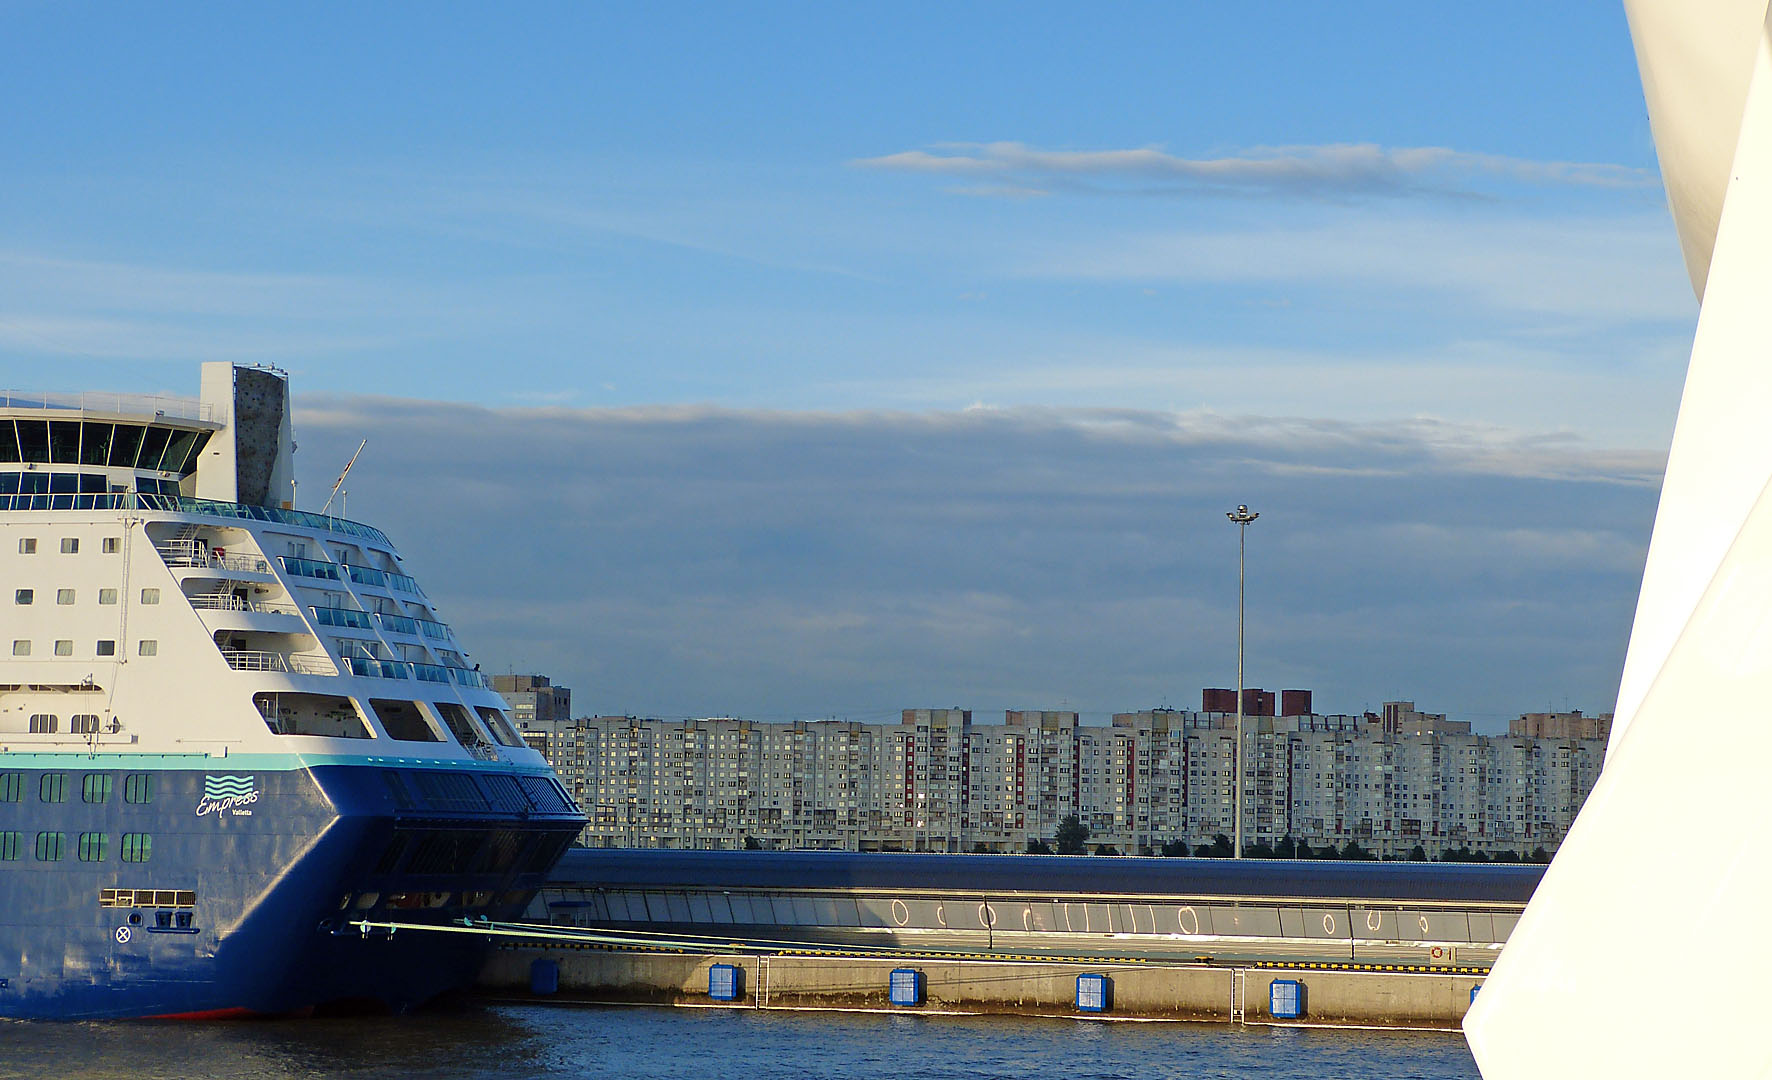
{"type": "Point", "coordinates": [1241, 517]}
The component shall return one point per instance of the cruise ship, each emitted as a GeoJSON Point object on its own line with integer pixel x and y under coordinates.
{"type": "Point", "coordinates": [232, 733]}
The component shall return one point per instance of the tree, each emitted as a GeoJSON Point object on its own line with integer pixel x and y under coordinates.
{"type": "Point", "coordinates": [1259, 850]}
{"type": "Point", "coordinates": [1175, 849]}
{"type": "Point", "coordinates": [1302, 850]}
{"type": "Point", "coordinates": [1072, 835]}
{"type": "Point", "coordinates": [1106, 849]}
{"type": "Point", "coordinates": [750, 844]}
{"type": "Point", "coordinates": [1539, 855]}
{"type": "Point", "coordinates": [1221, 847]}
{"type": "Point", "coordinates": [1039, 847]}
{"type": "Point", "coordinates": [1287, 848]}
{"type": "Point", "coordinates": [1353, 850]}
{"type": "Point", "coordinates": [978, 848]}
{"type": "Point", "coordinates": [1418, 854]}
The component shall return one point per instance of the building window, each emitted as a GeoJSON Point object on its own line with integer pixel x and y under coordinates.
{"type": "Point", "coordinates": [107, 648]}
{"type": "Point", "coordinates": [21, 648]}
{"type": "Point", "coordinates": [107, 596]}
{"type": "Point", "coordinates": [24, 596]}
{"type": "Point", "coordinates": [10, 843]}
{"type": "Point", "coordinates": [44, 724]}
{"type": "Point", "coordinates": [50, 845]}
{"type": "Point", "coordinates": [113, 544]}
{"type": "Point", "coordinates": [64, 597]}
{"type": "Point", "coordinates": [92, 846]}
{"type": "Point", "coordinates": [137, 846]}
{"type": "Point", "coordinates": [147, 647]}
{"type": "Point", "coordinates": [27, 545]}
{"type": "Point", "coordinates": [70, 545]}
{"type": "Point", "coordinates": [53, 788]}
{"type": "Point", "coordinates": [150, 596]}
{"type": "Point", "coordinates": [95, 787]}
{"type": "Point", "coordinates": [64, 647]}
{"type": "Point", "coordinates": [138, 788]}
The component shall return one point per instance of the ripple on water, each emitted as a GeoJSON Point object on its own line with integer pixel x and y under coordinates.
{"type": "Point", "coordinates": [522, 1042]}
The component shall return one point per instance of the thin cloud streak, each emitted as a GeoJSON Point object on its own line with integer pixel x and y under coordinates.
{"type": "Point", "coordinates": [1334, 169]}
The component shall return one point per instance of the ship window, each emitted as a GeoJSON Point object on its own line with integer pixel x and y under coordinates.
{"type": "Point", "coordinates": [153, 445]}
{"type": "Point", "coordinates": [311, 714]}
{"type": "Point", "coordinates": [177, 451]}
{"type": "Point", "coordinates": [112, 545]}
{"type": "Point", "coordinates": [12, 786]}
{"type": "Point", "coordinates": [150, 596]}
{"type": "Point", "coordinates": [92, 846]}
{"type": "Point", "coordinates": [8, 441]}
{"type": "Point", "coordinates": [70, 545]}
{"type": "Point", "coordinates": [95, 443]}
{"type": "Point", "coordinates": [107, 596]}
{"type": "Point", "coordinates": [33, 441]}
{"type": "Point", "coordinates": [107, 648]}
{"type": "Point", "coordinates": [147, 647]}
{"type": "Point", "coordinates": [500, 727]}
{"type": "Point", "coordinates": [64, 597]}
{"type": "Point", "coordinates": [64, 442]}
{"type": "Point", "coordinates": [84, 724]}
{"type": "Point", "coordinates": [50, 845]}
{"type": "Point", "coordinates": [54, 786]}
{"type": "Point", "coordinates": [10, 843]}
{"type": "Point", "coordinates": [45, 724]}
{"type": "Point", "coordinates": [24, 596]}
{"type": "Point", "coordinates": [27, 545]}
{"type": "Point", "coordinates": [137, 846]}
{"type": "Point", "coordinates": [163, 920]}
{"type": "Point", "coordinates": [138, 788]}
{"type": "Point", "coordinates": [404, 721]}
{"type": "Point", "coordinates": [125, 441]}
{"type": "Point", "coordinates": [95, 787]}
{"type": "Point", "coordinates": [64, 647]}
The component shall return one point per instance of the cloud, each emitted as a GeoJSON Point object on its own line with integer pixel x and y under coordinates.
{"type": "Point", "coordinates": [1334, 169]}
{"type": "Point", "coordinates": [696, 560]}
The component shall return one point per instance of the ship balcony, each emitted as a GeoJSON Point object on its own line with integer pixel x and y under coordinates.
{"type": "Point", "coordinates": [288, 663]}
{"type": "Point", "coordinates": [201, 554]}
{"type": "Point", "coordinates": [228, 612]}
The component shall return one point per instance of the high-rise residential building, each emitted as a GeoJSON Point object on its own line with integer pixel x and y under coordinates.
{"type": "Point", "coordinates": [937, 781]}
{"type": "Point", "coordinates": [536, 705]}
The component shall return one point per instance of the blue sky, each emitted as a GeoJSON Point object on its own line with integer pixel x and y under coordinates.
{"type": "Point", "coordinates": [1377, 215]}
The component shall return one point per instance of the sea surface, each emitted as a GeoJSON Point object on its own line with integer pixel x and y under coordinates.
{"type": "Point", "coordinates": [520, 1042]}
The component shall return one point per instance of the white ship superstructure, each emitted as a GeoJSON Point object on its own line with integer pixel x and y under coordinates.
{"type": "Point", "coordinates": [200, 684]}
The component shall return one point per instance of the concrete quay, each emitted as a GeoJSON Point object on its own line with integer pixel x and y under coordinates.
{"type": "Point", "coordinates": [1139, 990]}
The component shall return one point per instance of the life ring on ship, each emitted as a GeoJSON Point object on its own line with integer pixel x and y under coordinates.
{"type": "Point", "coordinates": [1437, 953]}
{"type": "Point", "coordinates": [219, 553]}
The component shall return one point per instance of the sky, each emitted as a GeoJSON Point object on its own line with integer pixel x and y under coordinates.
{"type": "Point", "coordinates": [807, 359]}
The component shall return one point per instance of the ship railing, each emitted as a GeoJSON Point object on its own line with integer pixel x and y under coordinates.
{"type": "Point", "coordinates": [225, 602]}
{"type": "Point", "coordinates": [462, 676]}
{"type": "Point", "coordinates": [377, 669]}
{"type": "Point", "coordinates": [178, 408]}
{"type": "Point", "coordinates": [202, 556]}
{"type": "Point", "coordinates": [290, 663]}
{"type": "Point", "coordinates": [483, 751]}
{"type": "Point", "coordinates": [180, 504]}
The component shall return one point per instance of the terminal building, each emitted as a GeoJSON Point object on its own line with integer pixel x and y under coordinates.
{"type": "Point", "coordinates": [1154, 780]}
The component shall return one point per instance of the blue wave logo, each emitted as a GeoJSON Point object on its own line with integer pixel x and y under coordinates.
{"type": "Point", "coordinates": [231, 795]}
{"type": "Point", "coordinates": [228, 787]}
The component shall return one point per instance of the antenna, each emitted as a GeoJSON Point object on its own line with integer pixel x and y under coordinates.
{"type": "Point", "coordinates": [340, 482]}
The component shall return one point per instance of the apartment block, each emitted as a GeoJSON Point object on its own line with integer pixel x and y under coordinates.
{"type": "Point", "coordinates": [938, 781]}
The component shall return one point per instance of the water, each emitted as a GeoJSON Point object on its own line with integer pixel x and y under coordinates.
{"type": "Point", "coordinates": [521, 1042]}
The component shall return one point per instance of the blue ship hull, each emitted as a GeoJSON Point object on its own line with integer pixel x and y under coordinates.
{"type": "Point", "coordinates": [136, 892]}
